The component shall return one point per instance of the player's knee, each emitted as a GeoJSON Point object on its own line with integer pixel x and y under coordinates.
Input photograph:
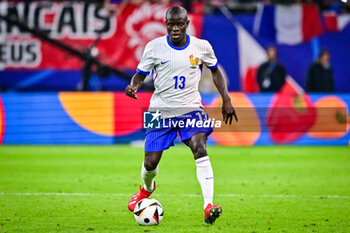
{"type": "Point", "coordinates": [150, 164]}
{"type": "Point", "coordinates": [199, 151]}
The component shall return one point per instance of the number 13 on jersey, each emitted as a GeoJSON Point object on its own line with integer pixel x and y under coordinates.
{"type": "Point", "coordinates": [179, 82]}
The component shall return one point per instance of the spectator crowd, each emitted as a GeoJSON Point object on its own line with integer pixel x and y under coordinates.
{"type": "Point", "coordinates": [272, 74]}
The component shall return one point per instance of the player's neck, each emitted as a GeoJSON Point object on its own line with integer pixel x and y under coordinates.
{"type": "Point", "coordinates": [180, 43]}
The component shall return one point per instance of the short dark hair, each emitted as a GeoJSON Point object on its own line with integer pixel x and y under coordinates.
{"type": "Point", "coordinates": [176, 10]}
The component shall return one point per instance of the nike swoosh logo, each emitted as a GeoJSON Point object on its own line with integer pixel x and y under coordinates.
{"type": "Point", "coordinates": [163, 62]}
{"type": "Point", "coordinates": [208, 178]}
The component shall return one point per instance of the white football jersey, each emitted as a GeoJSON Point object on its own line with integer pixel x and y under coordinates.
{"type": "Point", "coordinates": [176, 72]}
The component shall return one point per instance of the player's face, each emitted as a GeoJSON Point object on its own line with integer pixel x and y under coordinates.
{"type": "Point", "coordinates": [176, 28]}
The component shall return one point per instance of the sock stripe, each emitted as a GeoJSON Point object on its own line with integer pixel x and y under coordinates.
{"type": "Point", "coordinates": [201, 161]}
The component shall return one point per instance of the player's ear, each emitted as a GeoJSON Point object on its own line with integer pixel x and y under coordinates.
{"type": "Point", "coordinates": [187, 23]}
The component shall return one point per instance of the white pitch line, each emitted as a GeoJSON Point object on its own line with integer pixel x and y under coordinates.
{"type": "Point", "coordinates": [182, 195]}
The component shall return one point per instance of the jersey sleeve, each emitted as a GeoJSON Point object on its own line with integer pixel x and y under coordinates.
{"type": "Point", "coordinates": [209, 59]}
{"type": "Point", "coordinates": [147, 61]}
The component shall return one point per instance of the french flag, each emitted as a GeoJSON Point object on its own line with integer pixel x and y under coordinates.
{"type": "Point", "coordinates": [336, 22]}
{"type": "Point", "coordinates": [251, 56]}
{"type": "Point", "coordinates": [291, 24]}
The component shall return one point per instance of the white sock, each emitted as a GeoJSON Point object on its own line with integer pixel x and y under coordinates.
{"type": "Point", "coordinates": [148, 178]}
{"type": "Point", "coordinates": [206, 179]}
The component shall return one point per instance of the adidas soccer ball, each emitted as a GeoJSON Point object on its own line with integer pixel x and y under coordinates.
{"type": "Point", "coordinates": [148, 211]}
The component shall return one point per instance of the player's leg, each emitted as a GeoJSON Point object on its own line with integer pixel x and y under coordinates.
{"type": "Point", "coordinates": [205, 176]}
{"type": "Point", "coordinates": [148, 171]}
{"type": "Point", "coordinates": [197, 143]}
{"type": "Point", "coordinates": [156, 142]}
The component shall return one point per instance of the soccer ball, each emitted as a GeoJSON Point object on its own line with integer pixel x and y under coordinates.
{"type": "Point", "coordinates": [148, 212]}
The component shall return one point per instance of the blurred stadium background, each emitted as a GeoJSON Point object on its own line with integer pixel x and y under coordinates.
{"type": "Point", "coordinates": [63, 69]}
{"type": "Point", "coordinates": [64, 66]}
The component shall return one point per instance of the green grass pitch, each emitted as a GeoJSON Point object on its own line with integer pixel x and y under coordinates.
{"type": "Point", "coordinates": [261, 189]}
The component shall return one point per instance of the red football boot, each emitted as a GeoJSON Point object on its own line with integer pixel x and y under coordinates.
{"type": "Point", "coordinates": [139, 196]}
{"type": "Point", "coordinates": [211, 213]}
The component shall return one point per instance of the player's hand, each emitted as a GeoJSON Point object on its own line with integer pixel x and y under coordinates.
{"type": "Point", "coordinates": [131, 91]}
{"type": "Point", "coordinates": [228, 111]}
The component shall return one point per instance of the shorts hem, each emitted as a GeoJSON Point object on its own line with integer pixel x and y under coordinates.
{"type": "Point", "coordinates": [207, 132]}
{"type": "Point", "coordinates": [154, 150]}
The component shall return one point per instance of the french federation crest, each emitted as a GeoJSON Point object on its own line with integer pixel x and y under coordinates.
{"type": "Point", "coordinates": [194, 62]}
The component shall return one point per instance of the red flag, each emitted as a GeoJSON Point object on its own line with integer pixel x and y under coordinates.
{"type": "Point", "coordinates": [123, 38]}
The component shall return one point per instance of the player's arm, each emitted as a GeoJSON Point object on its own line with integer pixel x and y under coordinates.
{"type": "Point", "coordinates": [143, 69]}
{"type": "Point", "coordinates": [135, 84]}
{"type": "Point", "coordinates": [227, 109]}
